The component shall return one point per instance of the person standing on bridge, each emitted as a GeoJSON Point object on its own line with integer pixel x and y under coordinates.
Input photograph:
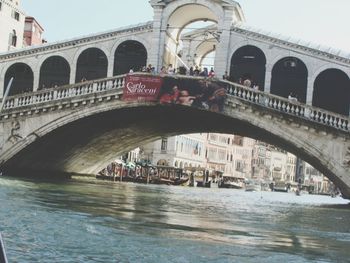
{"type": "Point", "coordinates": [225, 76]}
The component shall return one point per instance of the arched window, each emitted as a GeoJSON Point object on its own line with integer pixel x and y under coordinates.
{"type": "Point", "coordinates": [13, 38]}
{"type": "Point", "coordinates": [129, 55]}
{"type": "Point", "coordinates": [332, 91]}
{"type": "Point", "coordinates": [22, 78]}
{"type": "Point", "coordinates": [55, 71]}
{"type": "Point", "coordinates": [92, 64]}
{"type": "Point", "coordinates": [289, 77]}
{"type": "Point", "coordinates": [248, 62]}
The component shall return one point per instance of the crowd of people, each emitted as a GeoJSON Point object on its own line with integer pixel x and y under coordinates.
{"type": "Point", "coordinates": [170, 70]}
{"type": "Point", "coordinates": [183, 97]}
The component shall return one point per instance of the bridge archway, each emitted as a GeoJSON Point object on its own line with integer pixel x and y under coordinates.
{"type": "Point", "coordinates": [207, 60]}
{"type": "Point", "coordinates": [181, 14]}
{"type": "Point", "coordinates": [332, 91]}
{"type": "Point", "coordinates": [23, 78]}
{"type": "Point", "coordinates": [249, 62]}
{"type": "Point", "coordinates": [289, 75]}
{"type": "Point", "coordinates": [54, 71]}
{"type": "Point", "coordinates": [129, 54]}
{"type": "Point", "coordinates": [92, 64]}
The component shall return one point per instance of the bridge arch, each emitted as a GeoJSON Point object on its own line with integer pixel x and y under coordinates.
{"type": "Point", "coordinates": [116, 44]}
{"type": "Point", "coordinates": [23, 78]}
{"type": "Point", "coordinates": [177, 15]}
{"type": "Point", "coordinates": [92, 63]}
{"type": "Point", "coordinates": [332, 91]}
{"type": "Point", "coordinates": [129, 54]}
{"type": "Point", "coordinates": [204, 56]}
{"type": "Point", "coordinates": [248, 62]}
{"type": "Point", "coordinates": [203, 49]}
{"type": "Point", "coordinates": [290, 75]}
{"type": "Point", "coordinates": [94, 130]}
{"type": "Point", "coordinates": [54, 71]}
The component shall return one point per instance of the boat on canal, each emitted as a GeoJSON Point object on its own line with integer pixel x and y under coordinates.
{"type": "Point", "coordinates": [144, 173]}
{"type": "Point", "coordinates": [231, 182]}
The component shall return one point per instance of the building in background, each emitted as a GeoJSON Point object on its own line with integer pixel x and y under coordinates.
{"type": "Point", "coordinates": [239, 157]}
{"type": "Point", "coordinates": [179, 151]}
{"type": "Point", "coordinates": [217, 148]}
{"type": "Point", "coordinates": [12, 20]}
{"type": "Point", "coordinates": [261, 162]}
{"type": "Point", "coordinates": [229, 154]}
{"type": "Point", "coordinates": [33, 32]}
{"type": "Point", "coordinates": [233, 156]}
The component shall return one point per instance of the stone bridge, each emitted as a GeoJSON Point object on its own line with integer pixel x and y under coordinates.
{"type": "Point", "coordinates": [80, 128]}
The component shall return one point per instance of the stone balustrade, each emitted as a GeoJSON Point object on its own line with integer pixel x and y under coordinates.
{"type": "Point", "coordinates": [64, 92]}
{"type": "Point", "coordinates": [257, 97]}
{"type": "Point", "coordinates": [290, 107]}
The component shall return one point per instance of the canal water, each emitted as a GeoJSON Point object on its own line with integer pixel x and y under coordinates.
{"type": "Point", "coordinates": [85, 220]}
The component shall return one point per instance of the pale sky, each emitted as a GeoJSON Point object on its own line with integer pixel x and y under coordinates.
{"type": "Point", "coordinates": [325, 22]}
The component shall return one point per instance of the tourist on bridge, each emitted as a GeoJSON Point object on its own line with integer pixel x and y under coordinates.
{"type": "Point", "coordinates": [225, 76]}
{"type": "Point", "coordinates": [171, 70]}
{"type": "Point", "coordinates": [211, 73]}
{"type": "Point", "coordinates": [291, 97]}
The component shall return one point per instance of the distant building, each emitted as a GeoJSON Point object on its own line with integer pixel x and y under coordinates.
{"type": "Point", "coordinates": [261, 162]}
{"type": "Point", "coordinates": [239, 156]}
{"type": "Point", "coordinates": [11, 25]}
{"type": "Point", "coordinates": [179, 151]}
{"type": "Point", "coordinates": [33, 32]}
{"type": "Point", "coordinates": [216, 151]}
{"type": "Point", "coordinates": [229, 154]}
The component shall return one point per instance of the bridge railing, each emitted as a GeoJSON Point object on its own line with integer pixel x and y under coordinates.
{"type": "Point", "coordinates": [264, 99]}
{"type": "Point", "coordinates": [64, 92]}
{"type": "Point", "coordinates": [288, 106]}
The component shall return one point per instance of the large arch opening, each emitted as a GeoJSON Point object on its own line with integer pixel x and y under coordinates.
{"type": "Point", "coordinates": [191, 32]}
{"type": "Point", "coordinates": [289, 77]}
{"type": "Point", "coordinates": [332, 91]}
{"type": "Point", "coordinates": [92, 64]}
{"type": "Point", "coordinates": [248, 62]}
{"type": "Point", "coordinates": [207, 61]}
{"type": "Point", "coordinates": [23, 79]}
{"type": "Point", "coordinates": [129, 55]}
{"type": "Point", "coordinates": [87, 151]}
{"type": "Point", "coordinates": [55, 71]}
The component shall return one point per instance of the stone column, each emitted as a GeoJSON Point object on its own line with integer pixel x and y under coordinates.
{"type": "Point", "coordinates": [222, 50]}
{"type": "Point", "coordinates": [36, 77]}
{"type": "Point", "coordinates": [157, 50]}
{"type": "Point", "coordinates": [2, 80]}
{"type": "Point", "coordinates": [110, 68]}
{"type": "Point", "coordinates": [268, 76]}
{"type": "Point", "coordinates": [73, 68]}
{"type": "Point", "coordinates": [309, 90]}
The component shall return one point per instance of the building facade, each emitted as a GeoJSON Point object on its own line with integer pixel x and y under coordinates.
{"type": "Point", "coordinates": [11, 25]}
{"type": "Point", "coordinates": [180, 151]}
{"type": "Point", "coordinates": [33, 32]}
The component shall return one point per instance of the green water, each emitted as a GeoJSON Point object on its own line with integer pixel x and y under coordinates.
{"type": "Point", "coordinates": [85, 220]}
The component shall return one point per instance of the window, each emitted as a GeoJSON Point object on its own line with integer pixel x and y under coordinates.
{"type": "Point", "coordinates": [15, 15]}
{"type": "Point", "coordinates": [13, 38]}
{"type": "Point", "coordinates": [164, 144]}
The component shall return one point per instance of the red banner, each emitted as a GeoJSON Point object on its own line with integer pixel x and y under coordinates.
{"type": "Point", "coordinates": [142, 88]}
